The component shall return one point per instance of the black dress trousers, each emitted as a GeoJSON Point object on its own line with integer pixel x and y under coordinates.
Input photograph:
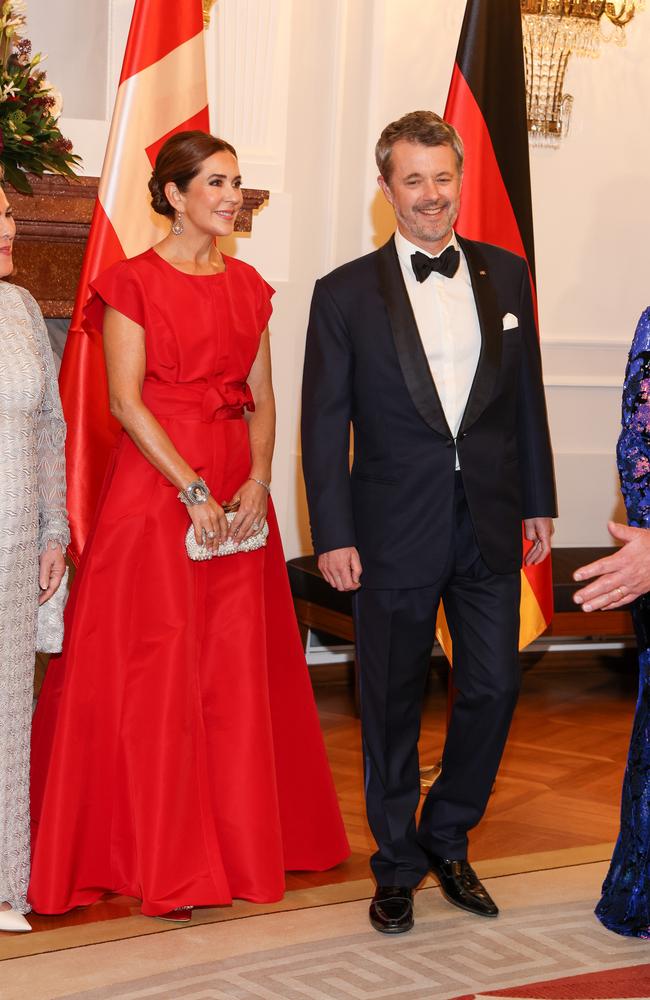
{"type": "Point", "coordinates": [394, 634]}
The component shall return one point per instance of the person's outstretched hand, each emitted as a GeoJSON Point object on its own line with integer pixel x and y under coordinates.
{"type": "Point", "coordinates": [620, 578]}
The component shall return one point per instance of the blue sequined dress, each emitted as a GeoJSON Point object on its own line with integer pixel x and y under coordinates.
{"type": "Point", "coordinates": [625, 903]}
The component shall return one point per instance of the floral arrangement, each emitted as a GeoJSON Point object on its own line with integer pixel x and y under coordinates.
{"type": "Point", "coordinates": [30, 139]}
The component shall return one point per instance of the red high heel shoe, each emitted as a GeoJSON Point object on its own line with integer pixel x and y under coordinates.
{"type": "Point", "coordinates": [180, 915]}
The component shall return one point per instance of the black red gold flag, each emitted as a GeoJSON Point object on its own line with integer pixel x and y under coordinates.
{"type": "Point", "coordinates": [487, 104]}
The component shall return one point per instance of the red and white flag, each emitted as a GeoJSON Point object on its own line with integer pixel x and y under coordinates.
{"type": "Point", "coordinates": [162, 90]}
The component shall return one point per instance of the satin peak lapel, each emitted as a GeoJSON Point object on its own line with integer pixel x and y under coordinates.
{"type": "Point", "coordinates": [410, 352]}
{"type": "Point", "coordinates": [489, 317]}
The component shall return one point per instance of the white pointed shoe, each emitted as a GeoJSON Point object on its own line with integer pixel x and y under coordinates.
{"type": "Point", "coordinates": [12, 920]}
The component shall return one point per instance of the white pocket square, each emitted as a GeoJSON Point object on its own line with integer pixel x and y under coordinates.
{"type": "Point", "coordinates": [510, 322]}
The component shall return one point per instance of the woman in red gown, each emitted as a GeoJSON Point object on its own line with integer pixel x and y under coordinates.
{"type": "Point", "coordinates": [177, 755]}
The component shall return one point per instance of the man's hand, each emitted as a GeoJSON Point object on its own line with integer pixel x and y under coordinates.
{"type": "Point", "coordinates": [341, 568]}
{"type": "Point", "coordinates": [621, 577]}
{"type": "Point", "coordinates": [538, 530]}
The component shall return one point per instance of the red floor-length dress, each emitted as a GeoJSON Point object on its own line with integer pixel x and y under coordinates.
{"type": "Point", "coordinates": [177, 755]}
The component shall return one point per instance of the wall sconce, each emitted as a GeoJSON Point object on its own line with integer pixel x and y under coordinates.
{"type": "Point", "coordinates": [552, 31]}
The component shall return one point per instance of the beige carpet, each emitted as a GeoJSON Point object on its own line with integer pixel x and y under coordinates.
{"type": "Point", "coordinates": [91, 927]}
{"type": "Point", "coordinates": [327, 952]}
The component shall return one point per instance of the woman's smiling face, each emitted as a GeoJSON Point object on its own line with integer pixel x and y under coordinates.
{"type": "Point", "coordinates": [213, 198]}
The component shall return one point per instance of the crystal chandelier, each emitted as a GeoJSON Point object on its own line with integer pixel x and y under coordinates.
{"type": "Point", "coordinates": [552, 30]}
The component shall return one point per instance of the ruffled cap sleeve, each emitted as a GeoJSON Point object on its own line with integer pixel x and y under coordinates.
{"type": "Point", "coordinates": [263, 307]}
{"type": "Point", "coordinates": [119, 287]}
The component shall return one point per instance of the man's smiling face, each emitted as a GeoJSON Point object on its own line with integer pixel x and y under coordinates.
{"type": "Point", "coordinates": [424, 190]}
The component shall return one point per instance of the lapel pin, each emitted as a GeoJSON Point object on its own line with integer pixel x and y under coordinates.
{"type": "Point", "coordinates": [482, 273]}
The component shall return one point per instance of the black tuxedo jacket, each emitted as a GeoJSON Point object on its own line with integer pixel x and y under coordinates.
{"type": "Point", "coordinates": [365, 365]}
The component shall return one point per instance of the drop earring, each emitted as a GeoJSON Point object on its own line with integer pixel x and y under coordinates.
{"type": "Point", "coordinates": [177, 227]}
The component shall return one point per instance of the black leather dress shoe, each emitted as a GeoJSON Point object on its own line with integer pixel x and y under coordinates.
{"type": "Point", "coordinates": [460, 885]}
{"type": "Point", "coordinates": [391, 910]}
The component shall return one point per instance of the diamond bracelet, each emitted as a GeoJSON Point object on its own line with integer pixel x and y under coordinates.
{"type": "Point", "coordinates": [260, 482]}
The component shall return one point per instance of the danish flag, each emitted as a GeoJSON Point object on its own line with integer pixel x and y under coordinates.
{"type": "Point", "coordinates": [162, 90]}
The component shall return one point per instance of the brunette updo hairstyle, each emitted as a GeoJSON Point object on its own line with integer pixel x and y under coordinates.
{"type": "Point", "coordinates": [179, 160]}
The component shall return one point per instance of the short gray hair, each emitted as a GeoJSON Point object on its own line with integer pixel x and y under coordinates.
{"type": "Point", "coordinates": [424, 127]}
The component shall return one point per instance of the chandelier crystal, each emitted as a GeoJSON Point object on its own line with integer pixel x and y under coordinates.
{"type": "Point", "coordinates": [552, 31]}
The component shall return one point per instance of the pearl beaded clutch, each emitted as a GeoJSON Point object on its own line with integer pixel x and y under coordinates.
{"type": "Point", "coordinates": [49, 620]}
{"type": "Point", "coordinates": [199, 553]}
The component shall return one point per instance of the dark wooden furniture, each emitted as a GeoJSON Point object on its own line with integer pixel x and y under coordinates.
{"type": "Point", "coordinates": [568, 619]}
{"type": "Point", "coordinates": [322, 609]}
{"type": "Point", "coordinates": [52, 228]}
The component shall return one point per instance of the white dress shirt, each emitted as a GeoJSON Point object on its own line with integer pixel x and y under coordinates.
{"type": "Point", "coordinates": [447, 320]}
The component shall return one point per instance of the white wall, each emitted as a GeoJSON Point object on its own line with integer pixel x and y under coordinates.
{"type": "Point", "coordinates": [591, 202]}
{"type": "Point", "coordinates": [78, 68]}
{"type": "Point", "coordinates": [84, 44]}
{"type": "Point", "coordinates": [303, 88]}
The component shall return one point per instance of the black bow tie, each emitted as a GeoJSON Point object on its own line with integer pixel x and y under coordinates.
{"type": "Point", "coordinates": [447, 263]}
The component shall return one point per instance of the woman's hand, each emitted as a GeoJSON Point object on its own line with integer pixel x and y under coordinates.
{"type": "Point", "coordinates": [210, 525]}
{"type": "Point", "coordinates": [253, 505]}
{"type": "Point", "coordinates": [51, 570]}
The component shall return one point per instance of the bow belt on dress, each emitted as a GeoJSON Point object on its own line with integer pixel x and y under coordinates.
{"type": "Point", "coordinates": [207, 400]}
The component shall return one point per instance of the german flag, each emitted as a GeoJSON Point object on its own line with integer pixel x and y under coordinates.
{"type": "Point", "coordinates": [487, 104]}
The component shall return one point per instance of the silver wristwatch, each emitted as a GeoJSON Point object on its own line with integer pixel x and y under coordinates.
{"type": "Point", "coordinates": [195, 492]}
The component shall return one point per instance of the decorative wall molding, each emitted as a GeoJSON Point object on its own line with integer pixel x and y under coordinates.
{"type": "Point", "coordinates": [254, 198]}
{"type": "Point", "coordinates": [340, 16]}
{"type": "Point", "coordinates": [583, 381]}
{"type": "Point", "coordinates": [582, 343]}
{"type": "Point", "coordinates": [573, 362]}
{"type": "Point", "coordinates": [250, 43]}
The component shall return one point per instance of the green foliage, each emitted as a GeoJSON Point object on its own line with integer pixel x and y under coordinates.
{"type": "Point", "coordinates": [30, 139]}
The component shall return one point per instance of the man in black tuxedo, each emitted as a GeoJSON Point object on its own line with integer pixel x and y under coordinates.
{"type": "Point", "coordinates": [428, 348]}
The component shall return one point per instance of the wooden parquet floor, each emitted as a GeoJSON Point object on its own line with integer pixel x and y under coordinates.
{"type": "Point", "coordinates": [560, 778]}
{"type": "Point", "coordinates": [559, 783]}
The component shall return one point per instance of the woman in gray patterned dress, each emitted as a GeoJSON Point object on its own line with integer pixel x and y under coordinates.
{"type": "Point", "coordinates": [33, 538]}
